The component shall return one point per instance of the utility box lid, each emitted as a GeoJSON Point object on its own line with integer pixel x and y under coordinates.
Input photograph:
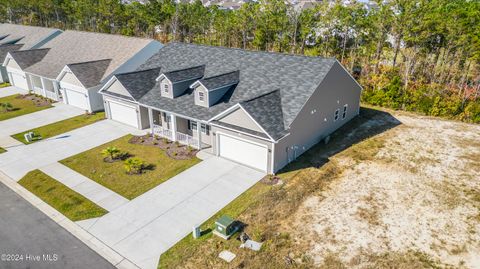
{"type": "Point", "coordinates": [224, 221]}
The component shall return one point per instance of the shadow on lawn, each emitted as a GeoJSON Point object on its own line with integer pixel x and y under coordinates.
{"type": "Point", "coordinates": [369, 123]}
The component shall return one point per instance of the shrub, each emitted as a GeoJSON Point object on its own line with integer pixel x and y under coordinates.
{"type": "Point", "coordinates": [134, 165]}
{"type": "Point", "coordinates": [6, 107]}
{"type": "Point", "coordinates": [112, 152]}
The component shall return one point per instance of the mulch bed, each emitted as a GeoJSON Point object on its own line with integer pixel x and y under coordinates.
{"type": "Point", "coordinates": [174, 150]}
{"type": "Point", "coordinates": [38, 100]}
{"type": "Point", "coordinates": [271, 180]}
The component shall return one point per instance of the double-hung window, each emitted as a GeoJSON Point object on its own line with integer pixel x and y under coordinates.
{"type": "Point", "coordinates": [165, 87]}
{"type": "Point", "coordinates": [192, 125]}
{"type": "Point", "coordinates": [344, 115]}
{"type": "Point", "coordinates": [201, 96]}
{"type": "Point", "coordinates": [205, 129]}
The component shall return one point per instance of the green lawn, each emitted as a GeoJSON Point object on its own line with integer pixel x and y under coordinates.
{"type": "Point", "coordinates": [2, 150]}
{"type": "Point", "coordinates": [61, 127]}
{"type": "Point", "coordinates": [173, 257]}
{"type": "Point", "coordinates": [113, 176]}
{"type": "Point", "coordinates": [5, 84]}
{"type": "Point", "coordinates": [21, 107]}
{"type": "Point", "coordinates": [70, 203]}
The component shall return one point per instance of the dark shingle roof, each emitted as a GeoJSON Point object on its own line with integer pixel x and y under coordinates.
{"type": "Point", "coordinates": [5, 49]}
{"type": "Point", "coordinates": [185, 74]}
{"type": "Point", "coordinates": [138, 83]}
{"type": "Point", "coordinates": [27, 58]}
{"type": "Point", "coordinates": [266, 110]}
{"type": "Point", "coordinates": [90, 73]}
{"type": "Point", "coordinates": [222, 80]}
{"type": "Point", "coordinates": [297, 77]}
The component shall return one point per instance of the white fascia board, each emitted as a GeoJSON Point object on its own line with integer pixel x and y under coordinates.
{"type": "Point", "coordinates": [108, 84]}
{"type": "Point", "coordinates": [66, 70]}
{"type": "Point", "coordinates": [241, 132]}
{"type": "Point", "coordinates": [7, 58]}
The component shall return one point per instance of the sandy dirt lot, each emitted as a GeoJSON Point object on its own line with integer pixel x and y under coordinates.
{"type": "Point", "coordinates": [419, 194]}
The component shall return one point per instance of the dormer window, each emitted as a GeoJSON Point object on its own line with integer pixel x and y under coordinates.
{"type": "Point", "coordinates": [201, 96]}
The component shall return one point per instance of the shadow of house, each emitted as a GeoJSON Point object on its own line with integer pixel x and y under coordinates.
{"type": "Point", "coordinates": [369, 123]}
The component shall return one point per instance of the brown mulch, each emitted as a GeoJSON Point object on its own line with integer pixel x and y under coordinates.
{"type": "Point", "coordinates": [38, 100]}
{"type": "Point", "coordinates": [271, 180]}
{"type": "Point", "coordinates": [174, 150]}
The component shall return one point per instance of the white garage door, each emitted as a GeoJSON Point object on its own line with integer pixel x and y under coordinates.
{"type": "Point", "coordinates": [123, 113]}
{"type": "Point", "coordinates": [77, 99]}
{"type": "Point", "coordinates": [243, 151]}
{"type": "Point", "coordinates": [19, 81]}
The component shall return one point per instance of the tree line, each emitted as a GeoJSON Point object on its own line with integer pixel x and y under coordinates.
{"type": "Point", "coordinates": [417, 55]}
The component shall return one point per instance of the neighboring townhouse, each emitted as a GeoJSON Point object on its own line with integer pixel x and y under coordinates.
{"type": "Point", "coordinates": [20, 37]}
{"type": "Point", "coordinates": [257, 108]}
{"type": "Point", "coordinates": [73, 66]}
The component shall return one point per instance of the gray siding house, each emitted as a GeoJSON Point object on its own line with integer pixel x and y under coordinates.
{"type": "Point", "coordinates": [73, 66]}
{"type": "Point", "coordinates": [20, 37]}
{"type": "Point", "coordinates": [257, 108]}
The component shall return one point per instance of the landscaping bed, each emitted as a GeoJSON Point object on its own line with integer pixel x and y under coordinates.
{"type": "Point", "coordinates": [173, 149]}
{"type": "Point", "coordinates": [112, 172]}
{"type": "Point", "coordinates": [68, 202]}
{"type": "Point", "coordinates": [61, 127]}
{"type": "Point", "coordinates": [21, 104]}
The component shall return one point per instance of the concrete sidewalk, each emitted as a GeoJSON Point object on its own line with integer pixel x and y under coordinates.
{"type": "Point", "coordinates": [19, 160]}
{"type": "Point", "coordinates": [26, 122]}
{"type": "Point", "coordinates": [93, 191]}
{"type": "Point", "coordinates": [10, 90]}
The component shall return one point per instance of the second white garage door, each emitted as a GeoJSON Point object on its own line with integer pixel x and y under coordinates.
{"type": "Point", "coordinates": [123, 113]}
{"type": "Point", "coordinates": [19, 81]}
{"type": "Point", "coordinates": [77, 99]}
{"type": "Point", "coordinates": [243, 151]}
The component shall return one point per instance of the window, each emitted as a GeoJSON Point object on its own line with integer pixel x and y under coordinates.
{"type": "Point", "coordinates": [344, 115]}
{"type": "Point", "coordinates": [192, 125]}
{"type": "Point", "coordinates": [205, 129]}
{"type": "Point", "coordinates": [201, 96]}
{"type": "Point", "coordinates": [337, 112]}
{"type": "Point", "coordinates": [165, 87]}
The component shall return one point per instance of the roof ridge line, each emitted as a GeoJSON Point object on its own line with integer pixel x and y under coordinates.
{"type": "Point", "coordinates": [138, 71]}
{"type": "Point", "coordinates": [30, 50]}
{"type": "Point", "coordinates": [183, 69]}
{"type": "Point", "coordinates": [221, 75]}
{"type": "Point", "coordinates": [92, 61]}
{"type": "Point", "coordinates": [251, 51]}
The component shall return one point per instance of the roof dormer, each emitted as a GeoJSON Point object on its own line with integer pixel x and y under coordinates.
{"type": "Point", "coordinates": [175, 83]}
{"type": "Point", "coordinates": [209, 91]}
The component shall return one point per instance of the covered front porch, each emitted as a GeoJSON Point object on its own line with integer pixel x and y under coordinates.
{"type": "Point", "coordinates": [185, 131]}
{"type": "Point", "coordinates": [45, 87]}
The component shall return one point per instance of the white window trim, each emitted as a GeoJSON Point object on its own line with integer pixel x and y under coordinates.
{"type": "Point", "coordinates": [336, 115]}
{"type": "Point", "coordinates": [191, 125]}
{"type": "Point", "coordinates": [204, 128]}
{"type": "Point", "coordinates": [201, 96]}
{"type": "Point", "coordinates": [165, 88]}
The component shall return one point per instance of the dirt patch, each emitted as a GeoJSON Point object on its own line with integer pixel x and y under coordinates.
{"type": "Point", "coordinates": [174, 150]}
{"type": "Point", "coordinates": [38, 100]}
{"type": "Point", "coordinates": [412, 199]}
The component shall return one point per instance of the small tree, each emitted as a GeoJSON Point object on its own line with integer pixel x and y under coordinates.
{"type": "Point", "coordinates": [111, 152]}
{"type": "Point", "coordinates": [6, 107]}
{"type": "Point", "coordinates": [134, 165]}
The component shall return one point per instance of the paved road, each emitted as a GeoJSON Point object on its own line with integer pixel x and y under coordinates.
{"type": "Point", "coordinates": [25, 230]}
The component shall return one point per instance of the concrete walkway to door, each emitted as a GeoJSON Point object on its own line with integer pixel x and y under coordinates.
{"type": "Point", "coordinates": [152, 223]}
{"type": "Point", "coordinates": [11, 90]}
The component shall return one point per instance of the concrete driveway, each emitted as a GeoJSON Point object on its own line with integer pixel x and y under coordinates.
{"type": "Point", "coordinates": [10, 90]}
{"type": "Point", "coordinates": [19, 160]}
{"type": "Point", "coordinates": [152, 223]}
{"type": "Point", "coordinates": [26, 230]}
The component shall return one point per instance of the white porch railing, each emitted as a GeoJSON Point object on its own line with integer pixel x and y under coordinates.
{"type": "Point", "coordinates": [179, 137]}
{"type": "Point", "coordinates": [52, 95]}
{"type": "Point", "coordinates": [162, 132]}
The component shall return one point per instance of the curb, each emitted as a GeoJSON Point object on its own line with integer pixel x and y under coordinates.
{"type": "Point", "coordinates": [88, 239]}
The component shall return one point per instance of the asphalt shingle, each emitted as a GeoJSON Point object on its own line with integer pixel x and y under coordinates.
{"type": "Point", "coordinates": [90, 73]}
{"type": "Point", "coordinates": [28, 36]}
{"type": "Point", "coordinates": [215, 82]}
{"type": "Point", "coordinates": [295, 77]}
{"type": "Point", "coordinates": [185, 74]}
{"type": "Point", "coordinates": [138, 83]}
{"type": "Point", "coordinates": [27, 58]}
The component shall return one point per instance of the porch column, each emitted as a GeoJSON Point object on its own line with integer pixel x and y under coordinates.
{"type": "Point", "coordinates": [150, 118]}
{"type": "Point", "coordinates": [43, 87]}
{"type": "Point", "coordinates": [56, 90]}
{"type": "Point", "coordinates": [173, 120]}
{"type": "Point", "coordinates": [29, 82]}
{"type": "Point", "coordinates": [199, 134]}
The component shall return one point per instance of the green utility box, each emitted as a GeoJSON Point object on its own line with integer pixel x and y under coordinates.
{"type": "Point", "coordinates": [225, 227]}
